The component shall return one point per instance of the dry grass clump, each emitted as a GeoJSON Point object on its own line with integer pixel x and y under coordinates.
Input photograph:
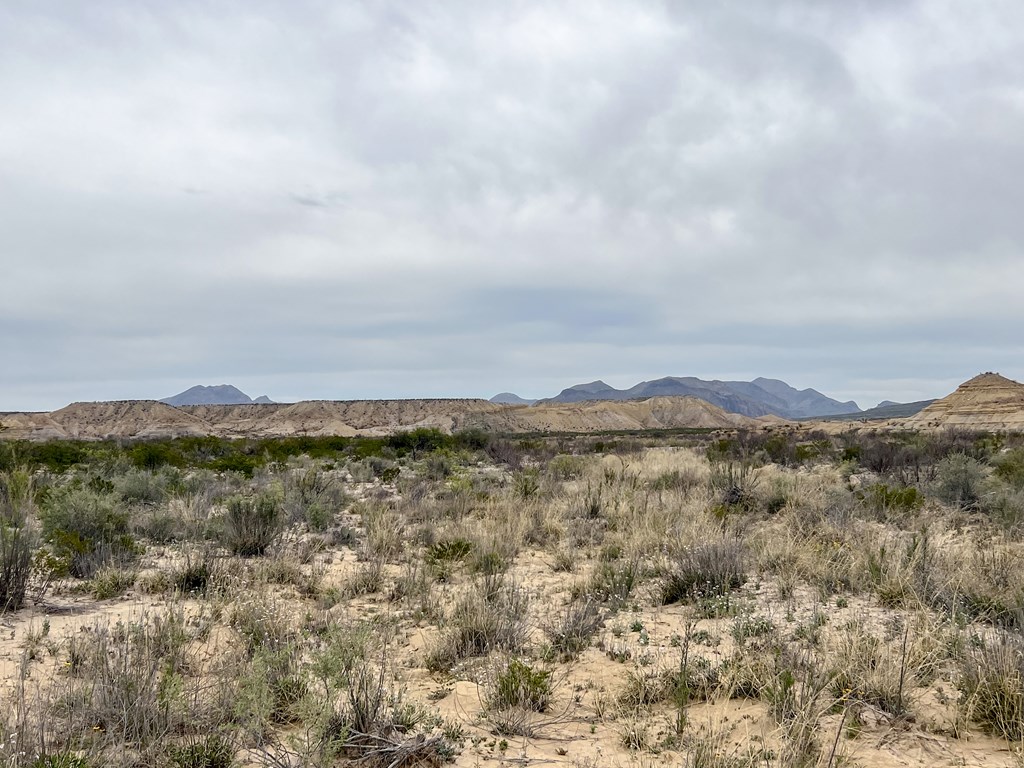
{"type": "Point", "coordinates": [991, 684]}
{"type": "Point", "coordinates": [570, 631]}
{"type": "Point", "coordinates": [705, 569]}
{"type": "Point", "coordinates": [252, 523]}
{"type": "Point", "coordinates": [491, 616]}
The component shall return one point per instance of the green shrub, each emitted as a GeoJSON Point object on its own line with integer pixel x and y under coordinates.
{"type": "Point", "coordinates": [885, 499]}
{"type": "Point", "coordinates": [251, 525]}
{"type": "Point", "coordinates": [143, 486]}
{"type": "Point", "coordinates": [1010, 468]}
{"type": "Point", "coordinates": [212, 751]}
{"type": "Point", "coordinates": [111, 582]}
{"type": "Point", "coordinates": [58, 456]}
{"type": "Point", "coordinates": [958, 480]}
{"type": "Point", "coordinates": [519, 685]}
{"type": "Point", "coordinates": [155, 455]}
{"type": "Point", "coordinates": [88, 529]}
{"type": "Point", "coordinates": [449, 550]}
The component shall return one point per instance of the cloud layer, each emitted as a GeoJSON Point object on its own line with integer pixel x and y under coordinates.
{"type": "Point", "coordinates": [390, 199]}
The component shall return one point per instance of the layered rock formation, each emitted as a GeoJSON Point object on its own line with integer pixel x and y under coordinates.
{"type": "Point", "coordinates": [987, 402]}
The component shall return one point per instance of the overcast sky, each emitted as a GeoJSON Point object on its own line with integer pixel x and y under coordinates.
{"type": "Point", "coordinates": [373, 199]}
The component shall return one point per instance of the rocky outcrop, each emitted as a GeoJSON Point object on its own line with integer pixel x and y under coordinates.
{"type": "Point", "coordinates": [988, 401]}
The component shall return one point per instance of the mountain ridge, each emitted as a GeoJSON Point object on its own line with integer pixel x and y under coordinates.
{"type": "Point", "coordinates": [757, 398]}
{"type": "Point", "coordinates": [217, 394]}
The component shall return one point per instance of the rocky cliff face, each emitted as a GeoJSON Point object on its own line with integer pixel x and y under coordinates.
{"type": "Point", "coordinates": [988, 401]}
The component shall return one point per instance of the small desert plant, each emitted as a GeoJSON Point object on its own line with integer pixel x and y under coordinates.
{"type": "Point", "coordinates": [614, 582]}
{"type": "Point", "coordinates": [111, 582]}
{"type": "Point", "coordinates": [566, 467]}
{"type": "Point", "coordinates": [210, 751]}
{"type": "Point", "coordinates": [200, 574]}
{"type": "Point", "coordinates": [384, 533]}
{"type": "Point", "coordinates": [449, 550]}
{"type": "Point", "coordinates": [368, 577]}
{"type": "Point", "coordinates": [887, 499]}
{"type": "Point", "coordinates": [734, 482]}
{"type": "Point", "coordinates": [525, 484]}
{"type": "Point", "coordinates": [707, 569]}
{"type": "Point", "coordinates": [261, 622]}
{"type": "Point", "coordinates": [252, 524]}
{"type": "Point", "coordinates": [571, 630]}
{"type": "Point", "coordinates": [515, 684]}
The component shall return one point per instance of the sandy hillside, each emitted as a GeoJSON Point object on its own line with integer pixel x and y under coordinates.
{"type": "Point", "coordinates": [146, 418]}
{"type": "Point", "coordinates": [126, 418]}
{"type": "Point", "coordinates": [988, 401]}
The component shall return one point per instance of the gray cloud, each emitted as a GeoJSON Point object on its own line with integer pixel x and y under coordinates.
{"type": "Point", "coordinates": [383, 199]}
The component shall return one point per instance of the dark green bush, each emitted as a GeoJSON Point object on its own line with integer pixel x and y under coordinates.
{"type": "Point", "coordinates": [155, 455]}
{"type": "Point", "coordinates": [213, 751]}
{"type": "Point", "coordinates": [449, 550]}
{"type": "Point", "coordinates": [884, 498]}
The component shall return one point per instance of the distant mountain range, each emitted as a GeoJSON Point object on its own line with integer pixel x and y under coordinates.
{"type": "Point", "coordinates": [887, 409]}
{"type": "Point", "coordinates": [222, 394]}
{"type": "Point", "coordinates": [508, 398]}
{"type": "Point", "coordinates": [760, 397]}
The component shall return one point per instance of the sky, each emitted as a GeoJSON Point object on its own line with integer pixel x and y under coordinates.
{"type": "Point", "coordinates": [390, 199]}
